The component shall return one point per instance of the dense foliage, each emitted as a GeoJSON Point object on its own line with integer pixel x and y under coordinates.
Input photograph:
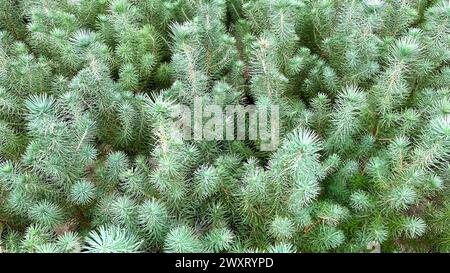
{"type": "Point", "coordinates": [88, 162]}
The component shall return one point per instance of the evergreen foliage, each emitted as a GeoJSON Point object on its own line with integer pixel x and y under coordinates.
{"type": "Point", "coordinates": [89, 163]}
